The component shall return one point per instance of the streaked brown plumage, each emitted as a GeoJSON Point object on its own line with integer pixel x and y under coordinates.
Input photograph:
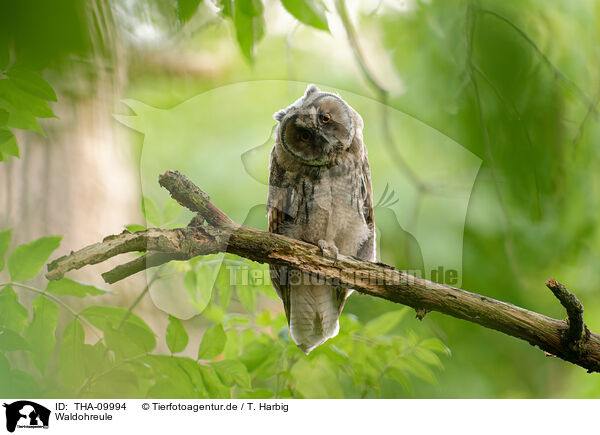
{"type": "Point", "coordinates": [319, 192]}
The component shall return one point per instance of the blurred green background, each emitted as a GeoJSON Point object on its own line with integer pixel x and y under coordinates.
{"type": "Point", "coordinates": [510, 88]}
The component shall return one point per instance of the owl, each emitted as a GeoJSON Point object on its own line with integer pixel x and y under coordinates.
{"type": "Point", "coordinates": [320, 193]}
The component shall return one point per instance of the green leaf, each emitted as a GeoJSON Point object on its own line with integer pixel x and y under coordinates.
{"type": "Point", "coordinates": [4, 245]}
{"type": "Point", "coordinates": [193, 369]}
{"type": "Point", "coordinates": [249, 25]}
{"type": "Point", "coordinates": [8, 143]}
{"type": "Point", "coordinates": [32, 83]}
{"type": "Point", "coordinates": [68, 287]}
{"type": "Point", "coordinates": [128, 339]}
{"type": "Point", "coordinates": [224, 287]}
{"type": "Point", "coordinates": [40, 332]}
{"type": "Point", "coordinates": [213, 342]}
{"type": "Point", "coordinates": [399, 376]}
{"type": "Point", "coordinates": [172, 381]}
{"type": "Point", "coordinates": [186, 9]}
{"type": "Point", "coordinates": [150, 211]}
{"type": "Point", "coordinates": [232, 345]}
{"type": "Point", "coordinates": [309, 12]}
{"type": "Point", "coordinates": [428, 357]}
{"type": "Point", "coordinates": [95, 358]}
{"type": "Point", "coordinates": [260, 356]}
{"type": "Point", "coordinates": [24, 121]}
{"type": "Point", "coordinates": [13, 315]}
{"type": "Point", "coordinates": [10, 340]}
{"type": "Point", "coordinates": [22, 101]}
{"type": "Point", "coordinates": [417, 368]}
{"type": "Point", "coordinates": [254, 354]}
{"type": "Point", "coordinates": [232, 371]}
{"type": "Point", "coordinates": [27, 260]}
{"type": "Point", "coordinates": [383, 324]}
{"type": "Point", "coordinates": [213, 383]}
{"type": "Point", "coordinates": [435, 345]}
{"type": "Point", "coordinates": [336, 355]}
{"type": "Point", "coordinates": [134, 228]}
{"type": "Point", "coordinates": [177, 338]}
{"type": "Point", "coordinates": [19, 384]}
{"type": "Point", "coordinates": [124, 342]}
{"type": "Point", "coordinates": [71, 359]}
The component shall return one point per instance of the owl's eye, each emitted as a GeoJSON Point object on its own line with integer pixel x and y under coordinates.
{"type": "Point", "coordinates": [325, 118]}
{"type": "Point", "coordinates": [304, 135]}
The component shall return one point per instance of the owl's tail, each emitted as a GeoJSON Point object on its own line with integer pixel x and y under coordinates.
{"type": "Point", "coordinates": [314, 314]}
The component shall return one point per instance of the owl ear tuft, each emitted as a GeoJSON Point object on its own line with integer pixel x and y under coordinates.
{"type": "Point", "coordinates": [278, 116]}
{"type": "Point", "coordinates": [311, 89]}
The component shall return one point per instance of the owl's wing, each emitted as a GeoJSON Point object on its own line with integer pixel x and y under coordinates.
{"type": "Point", "coordinates": [367, 250]}
{"type": "Point", "coordinates": [280, 209]}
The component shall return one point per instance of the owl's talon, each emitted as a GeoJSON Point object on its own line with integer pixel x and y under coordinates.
{"type": "Point", "coordinates": [322, 244]}
{"type": "Point", "coordinates": [335, 253]}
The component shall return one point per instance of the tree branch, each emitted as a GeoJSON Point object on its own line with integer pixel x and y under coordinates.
{"type": "Point", "coordinates": [570, 340]}
{"type": "Point", "coordinates": [144, 262]}
{"type": "Point", "coordinates": [577, 328]}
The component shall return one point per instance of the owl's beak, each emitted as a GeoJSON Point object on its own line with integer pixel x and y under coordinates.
{"type": "Point", "coordinates": [324, 138]}
{"type": "Point", "coordinates": [325, 143]}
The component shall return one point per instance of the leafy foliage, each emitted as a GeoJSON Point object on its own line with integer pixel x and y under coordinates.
{"type": "Point", "coordinates": [243, 354]}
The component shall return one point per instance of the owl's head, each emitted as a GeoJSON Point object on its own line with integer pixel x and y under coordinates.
{"type": "Point", "coordinates": [316, 126]}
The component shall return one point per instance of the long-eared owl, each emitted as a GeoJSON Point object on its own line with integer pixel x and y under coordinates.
{"type": "Point", "coordinates": [319, 192]}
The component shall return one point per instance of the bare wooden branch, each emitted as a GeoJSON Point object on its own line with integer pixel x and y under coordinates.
{"type": "Point", "coordinates": [574, 308]}
{"type": "Point", "coordinates": [189, 195]}
{"type": "Point", "coordinates": [221, 234]}
{"type": "Point", "coordinates": [144, 262]}
{"type": "Point", "coordinates": [183, 242]}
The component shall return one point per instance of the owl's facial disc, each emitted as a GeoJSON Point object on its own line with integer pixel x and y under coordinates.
{"type": "Point", "coordinates": [315, 126]}
{"type": "Point", "coordinates": [302, 137]}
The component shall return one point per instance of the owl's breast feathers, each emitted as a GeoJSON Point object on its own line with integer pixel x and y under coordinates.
{"type": "Point", "coordinates": [329, 202]}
